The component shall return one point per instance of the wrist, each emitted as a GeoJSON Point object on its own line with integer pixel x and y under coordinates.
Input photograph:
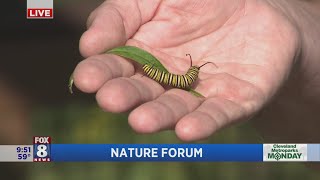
{"type": "Point", "coordinates": [304, 15]}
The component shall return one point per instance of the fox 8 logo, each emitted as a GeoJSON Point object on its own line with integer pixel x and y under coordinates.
{"type": "Point", "coordinates": [42, 149]}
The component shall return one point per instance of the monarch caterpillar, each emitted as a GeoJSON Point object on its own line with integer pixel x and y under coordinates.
{"type": "Point", "coordinates": [174, 80]}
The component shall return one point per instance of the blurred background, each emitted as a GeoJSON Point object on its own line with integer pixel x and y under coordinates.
{"type": "Point", "coordinates": [37, 58]}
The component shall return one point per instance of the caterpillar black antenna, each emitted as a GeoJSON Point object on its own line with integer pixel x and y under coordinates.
{"type": "Point", "coordinates": [190, 59]}
{"type": "Point", "coordinates": [208, 63]}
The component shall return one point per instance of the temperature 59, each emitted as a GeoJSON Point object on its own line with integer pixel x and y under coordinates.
{"type": "Point", "coordinates": [23, 156]}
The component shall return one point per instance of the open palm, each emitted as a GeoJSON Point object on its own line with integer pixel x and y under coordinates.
{"type": "Point", "coordinates": [252, 44]}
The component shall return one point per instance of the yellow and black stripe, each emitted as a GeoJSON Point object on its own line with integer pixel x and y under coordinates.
{"type": "Point", "coordinates": [174, 80]}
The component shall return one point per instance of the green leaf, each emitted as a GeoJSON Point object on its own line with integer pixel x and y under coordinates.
{"type": "Point", "coordinates": [70, 84]}
{"type": "Point", "coordinates": [192, 91]}
{"type": "Point", "coordinates": [139, 55]}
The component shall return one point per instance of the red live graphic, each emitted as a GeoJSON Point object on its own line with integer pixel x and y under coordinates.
{"type": "Point", "coordinates": [39, 13]}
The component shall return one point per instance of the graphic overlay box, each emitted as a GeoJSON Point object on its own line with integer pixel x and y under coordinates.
{"type": "Point", "coordinates": [16, 153]}
{"type": "Point", "coordinates": [41, 149]}
{"type": "Point", "coordinates": [39, 9]}
{"type": "Point", "coordinates": [285, 152]}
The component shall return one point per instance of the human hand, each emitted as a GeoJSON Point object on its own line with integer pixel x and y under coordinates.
{"type": "Point", "coordinates": [252, 43]}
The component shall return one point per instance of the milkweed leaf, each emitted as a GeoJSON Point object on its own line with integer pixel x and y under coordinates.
{"type": "Point", "coordinates": [139, 55]}
{"type": "Point", "coordinates": [195, 93]}
{"type": "Point", "coordinates": [70, 84]}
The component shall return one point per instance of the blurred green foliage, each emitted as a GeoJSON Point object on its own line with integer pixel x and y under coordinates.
{"type": "Point", "coordinates": [81, 123]}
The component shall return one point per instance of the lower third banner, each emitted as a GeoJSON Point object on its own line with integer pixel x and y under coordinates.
{"type": "Point", "coordinates": [157, 152]}
{"type": "Point", "coordinates": [43, 151]}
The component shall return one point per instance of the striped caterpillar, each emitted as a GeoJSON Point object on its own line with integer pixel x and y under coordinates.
{"type": "Point", "coordinates": [174, 80]}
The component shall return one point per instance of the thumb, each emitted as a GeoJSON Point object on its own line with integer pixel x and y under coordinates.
{"type": "Point", "coordinates": [113, 23]}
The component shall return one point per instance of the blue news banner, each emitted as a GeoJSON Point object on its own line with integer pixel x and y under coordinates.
{"type": "Point", "coordinates": [156, 152]}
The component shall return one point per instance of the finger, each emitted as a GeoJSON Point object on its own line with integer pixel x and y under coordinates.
{"type": "Point", "coordinates": [92, 73]}
{"type": "Point", "coordinates": [122, 94]}
{"type": "Point", "coordinates": [164, 112]}
{"type": "Point", "coordinates": [113, 23]}
{"type": "Point", "coordinates": [93, 14]}
{"type": "Point", "coordinates": [210, 116]}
